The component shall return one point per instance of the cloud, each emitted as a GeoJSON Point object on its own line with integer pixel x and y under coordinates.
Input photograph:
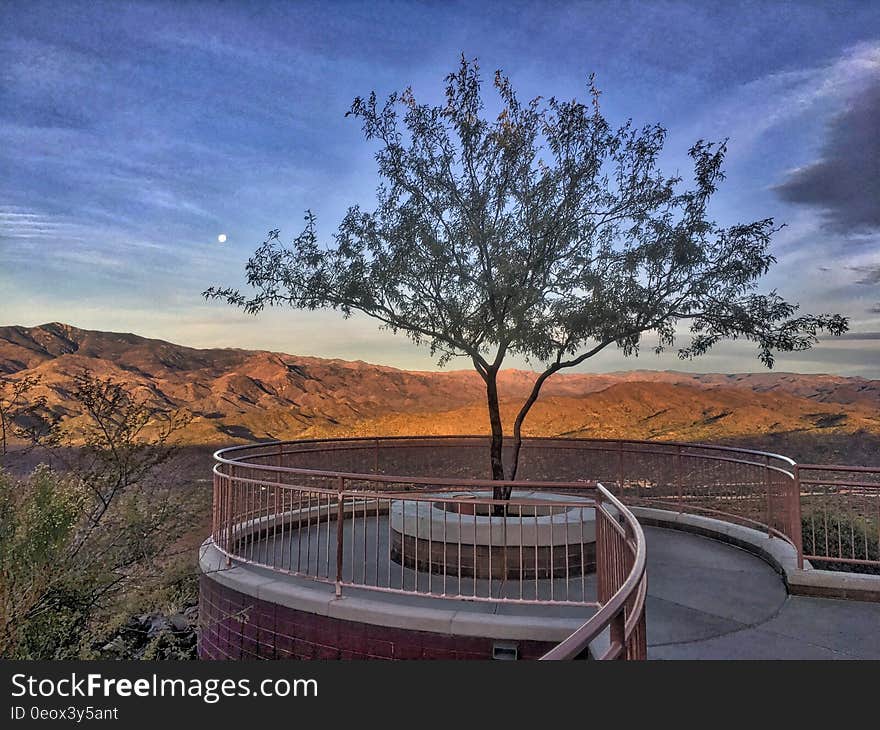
{"type": "Point", "coordinates": [25, 225]}
{"type": "Point", "coordinates": [868, 275]}
{"type": "Point", "coordinates": [860, 336]}
{"type": "Point", "coordinates": [781, 98]}
{"type": "Point", "coordinates": [843, 183]}
{"type": "Point", "coordinates": [67, 248]}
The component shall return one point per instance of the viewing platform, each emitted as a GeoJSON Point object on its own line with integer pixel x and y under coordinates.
{"type": "Point", "coordinates": [394, 548]}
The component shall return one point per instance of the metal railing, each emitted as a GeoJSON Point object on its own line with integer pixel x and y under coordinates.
{"type": "Point", "coordinates": [622, 589]}
{"type": "Point", "coordinates": [356, 526]}
{"type": "Point", "coordinates": [347, 536]}
{"type": "Point", "coordinates": [840, 512]}
{"type": "Point", "coordinates": [752, 488]}
{"type": "Point", "coordinates": [331, 510]}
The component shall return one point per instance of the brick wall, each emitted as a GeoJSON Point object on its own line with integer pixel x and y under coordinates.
{"type": "Point", "coordinates": [237, 626]}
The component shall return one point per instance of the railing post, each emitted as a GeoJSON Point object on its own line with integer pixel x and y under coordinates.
{"type": "Point", "coordinates": [230, 484]}
{"type": "Point", "coordinates": [620, 567]}
{"type": "Point", "coordinates": [678, 479]}
{"type": "Point", "coordinates": [796, 517]}
{"type": "Point", "coordinates": [769, 484]}
{"type": "Point", "coordinates": [640, 641]}
{"type": "Point", "coordinates": [620, 467]}
{"type": "Point", "coordinates": [617, 632]}
{"type": "Point", "coordinates": [340, 524]}
{"type": "Point", "coordinates": [215, 507]}
{"type": "Point", "coordinates": [376, 456]}
{"type": "Point", "coordinates": [602, 566]}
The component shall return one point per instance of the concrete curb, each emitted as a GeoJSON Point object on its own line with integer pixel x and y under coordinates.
{"type": "Point", "coordinates": [834, 584]}
{"type": "Point", "coordinates": [778, 553]}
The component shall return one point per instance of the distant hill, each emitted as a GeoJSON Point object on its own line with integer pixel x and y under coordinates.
{"type": "Point", "coordinates": [238, 395]}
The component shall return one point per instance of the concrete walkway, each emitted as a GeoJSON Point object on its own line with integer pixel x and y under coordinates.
{"type": "Point", "coordinates": [709, 600]}
{"type": "Point", "coordinates": [706, 599]}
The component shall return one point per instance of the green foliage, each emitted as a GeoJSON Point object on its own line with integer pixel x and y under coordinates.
{"type": "Point", "coordinates": [39, 519]}
{"type": "Point", "coordinates": [542, 231]}
{"type": "Point", "coordinates": [838, 533]}
{"type": "Point", "coordinates": [75, 546]}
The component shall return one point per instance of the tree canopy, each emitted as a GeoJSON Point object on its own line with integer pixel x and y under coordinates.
{"type": "Point", "coordinates": [541, 231]}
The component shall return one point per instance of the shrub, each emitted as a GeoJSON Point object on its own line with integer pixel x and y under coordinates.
{"type": "Point", "coordinates": [846, 534]}
{"type": "Point", "coordinates": [79, 548]}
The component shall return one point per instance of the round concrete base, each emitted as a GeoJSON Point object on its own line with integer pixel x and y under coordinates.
{"type": "Point", "coordinates": [551, 537]}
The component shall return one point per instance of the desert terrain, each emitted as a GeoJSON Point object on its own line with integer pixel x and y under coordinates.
{"type": "Point", "coordinates": [236, 396]}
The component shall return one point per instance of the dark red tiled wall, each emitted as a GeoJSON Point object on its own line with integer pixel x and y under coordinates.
{"type": "Point", "coordinates": [237, 626]}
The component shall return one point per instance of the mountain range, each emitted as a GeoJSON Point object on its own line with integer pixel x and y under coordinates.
{"type": "Point", "coordinates": [234, 395]}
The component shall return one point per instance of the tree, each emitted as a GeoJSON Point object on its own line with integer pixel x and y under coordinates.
{"type": "Point", "coordinates": [17, 407]}
{"type": "Point", "coordinates": [543, 233]}
{"type": "Point", "coordinates": [75, 545]}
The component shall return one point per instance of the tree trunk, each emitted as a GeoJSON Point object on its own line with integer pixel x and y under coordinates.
{"type": "Point", "coordinates": [517, 446]}
{"type": "Point", "coordinates": [517, 432]}
{"type": "Point", "coordinates": [496, 448]}
{"type": "Point", "coordinates": [524, 411]}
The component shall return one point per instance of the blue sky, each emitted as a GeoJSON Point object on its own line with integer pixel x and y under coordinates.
{"type": "Point", "coordinates": [132, 134]}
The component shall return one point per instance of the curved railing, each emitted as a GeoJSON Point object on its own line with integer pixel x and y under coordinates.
{"type": "Point", "coordinates": [623, 587]}
{"type": "Point", "coordinates": [840, 512]}
{"type": "Point", "coordinates": [332, 509]}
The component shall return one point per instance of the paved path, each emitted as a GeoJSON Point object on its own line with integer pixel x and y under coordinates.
{"type": "Point", "coordinates": [708, 600]}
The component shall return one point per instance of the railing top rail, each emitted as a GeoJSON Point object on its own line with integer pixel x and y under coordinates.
{"type": "Point", "coordinates": [839, 467]}
{"type": "Point", "coordinates": [453, 437]}
{"type": "Point", "coordinates": [222, 455]}
{"type": "Point", "coordinates": [518, 501]}
{"type": "Point", "coordinates": [450, 482]}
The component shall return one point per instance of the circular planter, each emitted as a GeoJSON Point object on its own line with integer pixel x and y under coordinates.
{"type": "Point", "coordinates": [534, 541]}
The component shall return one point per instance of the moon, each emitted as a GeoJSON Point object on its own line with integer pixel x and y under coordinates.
{"type": "Point", "coordinates": [222, 238]}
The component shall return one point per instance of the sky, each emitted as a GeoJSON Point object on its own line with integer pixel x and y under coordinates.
{"type": "Point", "coordinates": [133, 134]}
